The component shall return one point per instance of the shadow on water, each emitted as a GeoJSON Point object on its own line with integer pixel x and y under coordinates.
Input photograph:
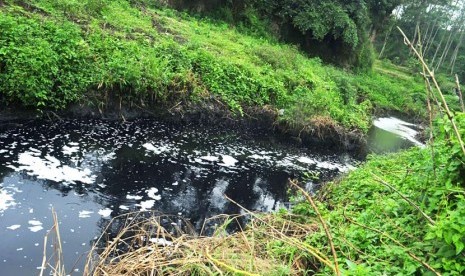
{"type": "Point", "coordinates": [91, 171]}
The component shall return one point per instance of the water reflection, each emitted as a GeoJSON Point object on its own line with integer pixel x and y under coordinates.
{"type": "Point", "coordinates": [390, 134]}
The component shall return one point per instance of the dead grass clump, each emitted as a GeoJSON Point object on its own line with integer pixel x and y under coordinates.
{"type": "Point", "coordinates": [148, 245]}
{"type": "Point", "coordinates": [322, 125]}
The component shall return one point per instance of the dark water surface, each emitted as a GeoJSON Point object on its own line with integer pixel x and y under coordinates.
{"type": "Point", "coordinates": [91, 171]}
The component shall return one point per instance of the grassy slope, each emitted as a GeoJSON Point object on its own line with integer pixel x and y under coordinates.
{"type": "Point", "coordinates": [57, 52]}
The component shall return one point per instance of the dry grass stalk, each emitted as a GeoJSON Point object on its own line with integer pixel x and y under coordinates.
{"type": "Point", "coordinates": [53, 263]}
{"type": "Point", "coordinates": [144, 246]}
{"type": "Point", "coordinates": [148, 243]}
{"type": "Point", "coordinates": [323, 223]}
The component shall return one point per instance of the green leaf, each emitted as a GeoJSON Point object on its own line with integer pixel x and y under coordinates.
{"type": "Point", "coordinates": [446, 251]}
{"type": "Point", "coordinates": [459, 247]}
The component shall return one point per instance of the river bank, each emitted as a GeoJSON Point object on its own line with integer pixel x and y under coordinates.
{"type": "Point", "coordinates": [163, 61]}
{"type": "Point", "coordinates": [267, 120]}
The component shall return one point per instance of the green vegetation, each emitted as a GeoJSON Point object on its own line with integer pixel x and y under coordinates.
{"type": "Point", "coordinates": [376, 231]}
{"type": "Point", "coordinates": [398, 214]}
{"type": "Point", "coordinates": [335, 24]}
{"type": "Point", "coordinates": [54, 53]}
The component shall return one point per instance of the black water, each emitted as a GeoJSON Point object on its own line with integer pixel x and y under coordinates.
{"type": "Point", "coordinates": [91, 171]}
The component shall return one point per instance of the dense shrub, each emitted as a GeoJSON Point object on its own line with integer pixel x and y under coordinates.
{"type": "Point", "coordinates": [45, 63]}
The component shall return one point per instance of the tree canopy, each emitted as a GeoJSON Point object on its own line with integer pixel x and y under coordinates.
{"type": "Point", "coordinates": [437, 25]}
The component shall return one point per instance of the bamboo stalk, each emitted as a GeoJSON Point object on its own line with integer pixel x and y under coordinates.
{"type": "Point", "coordinates": [430, 110]}
{"type": "Point", "coordinates": [443, 100]}
{"type": "Point", "coordinates": [459, 91]}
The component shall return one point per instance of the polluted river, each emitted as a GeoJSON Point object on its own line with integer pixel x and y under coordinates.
{"type": "Point", "coordinates": [91, 171]}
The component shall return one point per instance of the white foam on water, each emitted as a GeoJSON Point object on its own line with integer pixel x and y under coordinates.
{"type": "Point", "coordinates": [228, 161]}
{"type": "Point", "coordinates": [124, 207]}
{"type": "Point", "coordinates": [35, 222]}
{"type": "Point", "coordinates": [161, 241]}
{"type": "Point", "coordinates": [135, 197]}
{"type": "Point", "coordinates": [69, 150]}
{"type": "Point", "coordinates": [398, 127]}
{"type": "Point", "coordinates": [105, 212]}
{"type": "Point", "coordinates": [156, 150]}
{"type": "Point", "coordinates": [306, 160]}
{"type": "Point", "coordinates": [6, 200]}
{"type": "Point", "coordinates": [51, 168]}
{"type": "Point", "coordinates": [36, 225]}
{"type": "Point", "coordinates": [36, 228]}
{"type": "Point", "coordinates": [260, 157]}
{"type": "Point", "coordinates": [14, 227]}
{"type": "Point", "coordinates": [152, 193]}
{"type": "Point", "coordinates": [85, 214]}
{"type": "Point", "coordinates": [329, 165]}
{"type": "Point", "coordinates": [146, 205]}
{"type": "Point", "coordinates": [287, 162]}
{"type": "Point", "coordinates": [210, 158]}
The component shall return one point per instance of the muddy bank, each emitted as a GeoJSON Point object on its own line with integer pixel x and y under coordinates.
{"type": "Point", "coordinates": [316, 134]}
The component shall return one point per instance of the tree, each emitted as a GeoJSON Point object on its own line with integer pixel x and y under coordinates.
{"type": "Point", "coordinates": [380, 12]}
